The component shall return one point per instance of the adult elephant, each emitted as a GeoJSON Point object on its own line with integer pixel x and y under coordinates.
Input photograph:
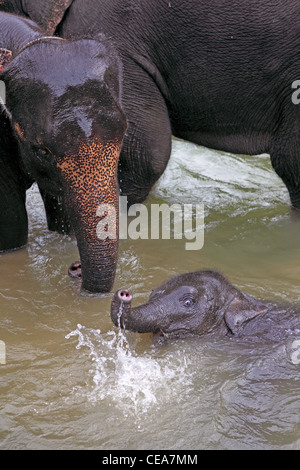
{"type": "Point", "coordinates": [61, 126]}
{"type": "Point", "coordinates": [219, 74]}
{"type": "Point", "coordinates": [214, 73]}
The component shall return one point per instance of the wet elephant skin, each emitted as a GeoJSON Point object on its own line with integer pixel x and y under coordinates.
{"type": "Point", "coordinates": [204, 303]}
{"type": "Point", "coordinates": [62, 126]}
{"type": "Point", "coordinates": [219, 74]}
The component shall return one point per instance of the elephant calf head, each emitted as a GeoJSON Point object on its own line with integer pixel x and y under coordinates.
{"type": "Point", "coordinates": [188, 304]}
{"type": "Point", "coordinates": [63, 106]}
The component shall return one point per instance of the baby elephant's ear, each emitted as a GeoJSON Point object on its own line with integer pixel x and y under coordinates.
{"type": "Point", "coordinates": [5, 57]}
{"type": "Point", "coordinates": [242, 309]}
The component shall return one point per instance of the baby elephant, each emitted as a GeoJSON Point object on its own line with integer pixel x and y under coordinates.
{"type": "Point", "coordinates": [201, 303]}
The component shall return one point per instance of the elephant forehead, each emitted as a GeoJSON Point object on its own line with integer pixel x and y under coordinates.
{"type": "Point", "coordinates": [174, 293]}
{"type": "Point", "coordinates": [59, 64]}
{"type": "Point", "coordinates": [59, 80]}
{"type": "Point", "coordinates": [203, 281]}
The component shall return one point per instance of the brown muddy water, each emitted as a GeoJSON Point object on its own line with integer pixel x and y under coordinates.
{"type": "Point", "coordinates": [72, 381]}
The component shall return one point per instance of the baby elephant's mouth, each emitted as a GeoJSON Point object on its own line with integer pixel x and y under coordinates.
{"type": "Point", "coordinates": [159, 333]}
{"type": "Point", "coordinates": [159, 338]}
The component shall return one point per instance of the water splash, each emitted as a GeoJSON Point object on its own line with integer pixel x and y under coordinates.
{"type": "Point", "coordinates": [132, 383]}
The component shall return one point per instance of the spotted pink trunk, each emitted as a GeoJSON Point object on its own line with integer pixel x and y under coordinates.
{"type": "Point", "coordinates": [92, 199]}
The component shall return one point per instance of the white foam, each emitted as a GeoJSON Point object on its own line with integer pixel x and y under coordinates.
{"type": "Point", "coordinates": [131, 382]}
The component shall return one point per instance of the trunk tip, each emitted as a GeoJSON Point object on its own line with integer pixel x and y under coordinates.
{"type": "Point", "coordinates": [124, 296]}
{"type": "Point", "coordinates": [75, 270]}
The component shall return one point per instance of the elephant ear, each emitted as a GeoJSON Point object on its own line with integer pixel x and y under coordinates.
{"type": "Point", "coordinates": [49, 15]}
{"type": "Point", "coordinates": [242, 309]}
{"type": "Point", "coordinates": [5, 57]}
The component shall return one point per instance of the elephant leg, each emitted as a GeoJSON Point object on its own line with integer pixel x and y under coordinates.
{"type": "Point", "coordinates": [288, 169]}
{"type": "Point", "coordinates": [147, 144]}
{"type": "Point", "coordinates": [285, 157]}
{"type": "Point", "coordinates": [57, 218]}
{"type": "Point", "coordinates": [13, 214]}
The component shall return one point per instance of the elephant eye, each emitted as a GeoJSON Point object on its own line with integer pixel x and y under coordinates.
{"type": "Point", "coordinates": [187, 302]}
{"type": "Point", "coordinates": [42, 152]}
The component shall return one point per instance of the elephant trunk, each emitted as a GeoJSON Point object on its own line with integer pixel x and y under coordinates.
{"type": "Point", "coordinates": [92, 199]}
{"type": "Point", "coordinates": [146, 318]}
{"type": "Point", "coordinates": [47, 17]}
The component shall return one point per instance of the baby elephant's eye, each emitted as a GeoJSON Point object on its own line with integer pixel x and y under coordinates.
{"type": "Point", "coordinates": [188, 302]}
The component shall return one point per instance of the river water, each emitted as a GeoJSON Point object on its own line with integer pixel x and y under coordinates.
{"type": "Point", "coordinates": [72, 381]}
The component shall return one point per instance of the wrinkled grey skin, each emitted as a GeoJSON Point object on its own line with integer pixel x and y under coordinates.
{"type": "Point", "coordinates": [217, 73]}
{"type": "Point", "coordinates": [47, 14]}
{"type": "Point", "coordinates": [62, 127]}
{"type": "Point", "coordinates": [202, 303]}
